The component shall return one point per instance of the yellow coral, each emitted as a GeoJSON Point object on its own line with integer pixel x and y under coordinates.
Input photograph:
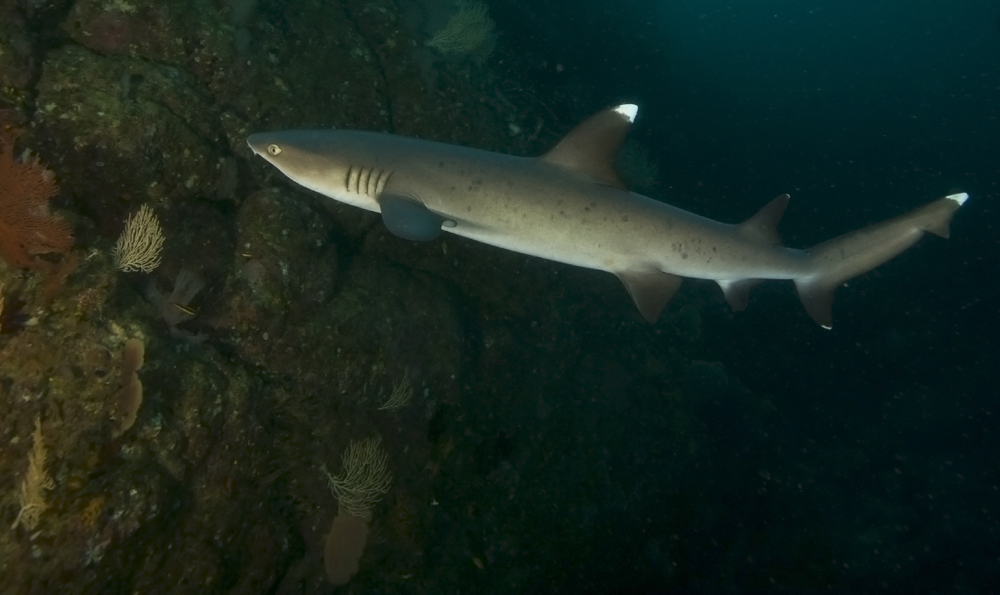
{"type": "Point", "coordinates": [365, 479]}
{"type": "Point", "coordinates": [469, 30]}
{"type": "Point", "coordinates": [402, 393]}
{"type": "Point", "coordinates": [35, 483]}
{"type": "Point", "coordinates": [139, 246]}
{"type": "Point", "coordinates": [92, 513]}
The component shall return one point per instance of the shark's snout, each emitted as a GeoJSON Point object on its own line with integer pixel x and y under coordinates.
{"type": "Point", "coordinates": [258, 143]}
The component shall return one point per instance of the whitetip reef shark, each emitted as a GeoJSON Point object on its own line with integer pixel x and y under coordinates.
{"type": "Point", "coordinates": [570, 206]}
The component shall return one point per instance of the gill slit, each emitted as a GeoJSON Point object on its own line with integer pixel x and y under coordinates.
{"type": "Point", "coordinates": [347, 178]}
{"type": "Point", "coordinates": [368, 181]}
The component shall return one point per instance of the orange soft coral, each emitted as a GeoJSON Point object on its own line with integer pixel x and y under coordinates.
{"type": "Point", "coordinates": [27, 229]}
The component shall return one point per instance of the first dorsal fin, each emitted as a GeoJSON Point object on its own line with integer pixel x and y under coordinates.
{"type": "Point", "coordinates": [591, 148]}
{"type": "Point", "coordinates": [763, 227]}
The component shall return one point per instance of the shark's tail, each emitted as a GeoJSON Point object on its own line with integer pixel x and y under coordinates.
{"type": "Point", "coordinates": [847, 256]}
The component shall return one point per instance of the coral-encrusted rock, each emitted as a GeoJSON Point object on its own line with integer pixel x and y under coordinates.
{"type": "Point", "coordinates": [287, 252]}
{"type": "Point", "coordinates": [17, 63]}
{"type": "Point", "coordinates": [126, 131]}
{"type": "Point", "coordinates": [146, 500]}
{"type": "Point", "coordinates": [189, 33]}
{"type": "Point", "coordinates": [288, 308]}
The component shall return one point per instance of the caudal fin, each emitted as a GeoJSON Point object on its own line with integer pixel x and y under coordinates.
{"type": "Point", "coordinates": [847, 256]}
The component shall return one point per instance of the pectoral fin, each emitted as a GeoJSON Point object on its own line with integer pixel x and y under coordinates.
{"type": "Point", "coordinates": [409, 219]}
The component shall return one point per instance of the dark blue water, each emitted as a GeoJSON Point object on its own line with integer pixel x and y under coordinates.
{"type": "Point", "coordinates": [859, 110]}
{"type": "Point", "coordinates": [853, 104]}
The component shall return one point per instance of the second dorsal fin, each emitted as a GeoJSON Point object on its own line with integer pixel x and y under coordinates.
{"type": "Point", "coordinates": [763, 227]}
{"type": "Point", "coordinates": [591, 148]}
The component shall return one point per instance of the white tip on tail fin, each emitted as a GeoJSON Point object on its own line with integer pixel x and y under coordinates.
{"type": "Point", "coordinates": [852, 254]}
{"type": "Point", "coordinates": [960, 198]}
{"type": "Point", "coordinates": [629, 110]}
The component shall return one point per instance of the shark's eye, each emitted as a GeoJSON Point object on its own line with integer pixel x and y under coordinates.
{"type": "Point", "coordinates": [273, 149]}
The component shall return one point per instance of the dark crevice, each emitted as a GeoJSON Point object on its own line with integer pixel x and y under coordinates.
{"type": "Point", "coordinates": [373, 50]}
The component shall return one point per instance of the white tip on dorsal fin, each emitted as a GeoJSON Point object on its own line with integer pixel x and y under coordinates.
{"type": "Point", "coordinates": [591, 148]}
{"type": "Point", "coordinates": [629, 110]}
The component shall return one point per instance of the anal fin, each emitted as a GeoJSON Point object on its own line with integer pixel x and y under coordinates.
{"type": "Point", "coordinates": [738, 292]}
{"type": "Point", "coordinates": [650, 290]}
